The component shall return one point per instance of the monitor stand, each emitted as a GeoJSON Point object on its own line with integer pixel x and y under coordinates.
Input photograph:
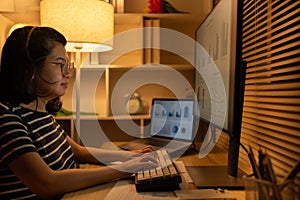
{"type": "Point", "coordinates": [215, 177]}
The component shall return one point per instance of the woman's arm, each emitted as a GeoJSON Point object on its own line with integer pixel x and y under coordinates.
{"type": "Point", "coordinates": [49, 184]}
{"type": "Point", "coordinates": [96, 156]}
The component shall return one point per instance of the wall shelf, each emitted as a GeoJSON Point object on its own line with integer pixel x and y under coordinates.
{"type": "Point", "coordinates": [103, 88]}
{"type": "Point", "coordinates": [99, 117]}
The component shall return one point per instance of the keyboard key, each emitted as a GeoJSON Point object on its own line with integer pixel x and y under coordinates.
{"type": "Point", "coordinates": [159, 171]}
{"type": "Point", "coordinates": [146, 174]}
{"type": "Point", "coordinates": [140, 176]}
{"type": "Point", "coordinates": [166, 171]}
{"type": "Point", "coordinates": [172, 170]}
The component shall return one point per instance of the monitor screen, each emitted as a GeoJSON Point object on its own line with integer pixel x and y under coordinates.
{"type": "Point", "coordinates": [172, 118]}
{"type": "Point", "coordinates": [220, 77]}
{"type": "Point", "coordinates": [215, 59]}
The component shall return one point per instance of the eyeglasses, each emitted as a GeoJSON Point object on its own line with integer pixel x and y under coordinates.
{"type": "Point", "coordinates": [65, 67]}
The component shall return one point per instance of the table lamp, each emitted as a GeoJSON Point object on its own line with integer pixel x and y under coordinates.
{"type": "Point", "coordinates": [88, 26]}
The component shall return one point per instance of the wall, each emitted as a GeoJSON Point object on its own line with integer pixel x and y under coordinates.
{"type": "Point", "coordinates": [5, 25]}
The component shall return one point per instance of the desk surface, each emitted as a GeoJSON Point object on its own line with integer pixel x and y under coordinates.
{"type": "Point", "coordinates": [217, 157]}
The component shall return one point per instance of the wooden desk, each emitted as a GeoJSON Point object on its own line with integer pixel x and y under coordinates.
{"type": "Point", "coordinates": [216, 157]}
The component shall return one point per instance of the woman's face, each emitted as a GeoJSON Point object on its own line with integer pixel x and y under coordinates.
{"type": "Point", "coordinates": [52, 81]}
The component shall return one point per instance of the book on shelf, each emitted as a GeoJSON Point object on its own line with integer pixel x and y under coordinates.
{"type": "Point", "coordinates": [147, 23]}
{"type": "Point", "coordinates": [155, 50]}
{"type": "Point", "coordinates": [151, 52]}
{"type": "Point", "coordinates": [118, 5]}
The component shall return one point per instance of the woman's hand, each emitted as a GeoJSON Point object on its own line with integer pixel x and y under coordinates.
{"type": "Point", "coordinates": [145, 149]}
{"type": "Point", "coordinates": [140, 162]}
{"type": "Point", "coordinates": [128, 155]}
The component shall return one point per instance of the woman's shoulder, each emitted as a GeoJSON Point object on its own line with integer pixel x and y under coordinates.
{"type": "Point", "coordinates": [11, 113]}
{"type": "Point", "coordinates": [8, 113]}
{"type": "Point", "coordinates": [6, 108]}
{"type": "Point", "coordinates": [22, 115]}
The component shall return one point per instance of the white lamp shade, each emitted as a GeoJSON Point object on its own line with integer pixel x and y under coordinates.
{"type": "Point", "coordinates": [16, 26]}
{"type": "Point", "coordinates": [88, 25]}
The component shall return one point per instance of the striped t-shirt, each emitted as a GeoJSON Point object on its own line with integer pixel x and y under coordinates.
{"type": "Point", "coordinates": [23, 130]}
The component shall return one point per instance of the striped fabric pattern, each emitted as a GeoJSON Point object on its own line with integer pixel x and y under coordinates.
{"type": "Point", "coordinates": [21, 131]}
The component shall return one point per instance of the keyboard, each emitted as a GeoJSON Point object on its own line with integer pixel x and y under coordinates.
{"type": "Point", "coordinates": [165, 177]}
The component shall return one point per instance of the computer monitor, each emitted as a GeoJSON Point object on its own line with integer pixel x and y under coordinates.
{"type": "Point", "coordinates": [220, 78]}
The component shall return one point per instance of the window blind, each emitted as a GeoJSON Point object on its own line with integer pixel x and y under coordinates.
{"type": "Point", "coordinates": [271, 115]}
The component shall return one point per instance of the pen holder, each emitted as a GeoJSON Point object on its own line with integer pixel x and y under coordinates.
{"type": "Point", "coordinates": [258, 189]}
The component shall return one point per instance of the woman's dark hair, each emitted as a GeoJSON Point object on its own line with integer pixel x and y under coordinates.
{"type": "Point", "coordinates": [23, 55]}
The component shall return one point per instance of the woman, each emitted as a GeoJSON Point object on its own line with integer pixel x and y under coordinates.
{"type": "Point", "coordinates": [37, 157]}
